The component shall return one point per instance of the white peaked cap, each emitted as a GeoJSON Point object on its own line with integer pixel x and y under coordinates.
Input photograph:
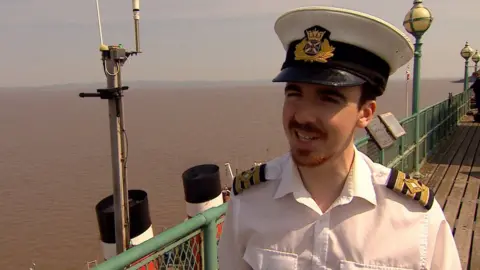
{"type": "Point", "coordinates": [359, 47]}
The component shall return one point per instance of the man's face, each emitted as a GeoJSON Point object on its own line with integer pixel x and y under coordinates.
{"type": "Point", "coordinates": [320, 121]}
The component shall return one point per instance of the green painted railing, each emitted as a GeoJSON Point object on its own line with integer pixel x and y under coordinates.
{"type": "Point", "coordinates": [193, 243]}
{"type": "Point", "coordinates": [435, 123]}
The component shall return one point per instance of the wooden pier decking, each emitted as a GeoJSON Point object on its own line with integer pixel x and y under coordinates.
{"type": "Point", "coordinates": [453, 173]}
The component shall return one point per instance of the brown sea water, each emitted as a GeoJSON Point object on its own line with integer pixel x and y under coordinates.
{"type": "Point", "coordinates": [55, 156]}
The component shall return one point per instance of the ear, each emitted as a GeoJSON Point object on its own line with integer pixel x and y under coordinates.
{"type": "Point", "coordinates": [366, 113]}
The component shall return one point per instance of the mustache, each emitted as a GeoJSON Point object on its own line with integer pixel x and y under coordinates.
{"type": "Point", "coordinates": [307, 127]}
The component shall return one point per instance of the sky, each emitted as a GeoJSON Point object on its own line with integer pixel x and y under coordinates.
{"type": "Point", "coordinates": [56, 41]}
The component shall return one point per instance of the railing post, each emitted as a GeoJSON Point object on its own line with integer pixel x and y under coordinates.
{"type": "Point", "coordinates": [446, 115]}
{"type": "Point", "coordinates": [450, 115]}
{"type": "Point", "coordinates": [417, 142]}
{"type": "Point", "coordinates": [210, 246]}
{"type": "Point", "coordinates": [402, 151]}
{"type": "Point", "coordinates": [427, 138]}
{"type": "Point", "coordinates": [465, 105]}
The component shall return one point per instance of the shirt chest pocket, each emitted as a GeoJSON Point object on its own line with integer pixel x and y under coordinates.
{"type": "Point", "coordinates": [347, 265]}
{"type": "Point", "coordinates": [267, 259]}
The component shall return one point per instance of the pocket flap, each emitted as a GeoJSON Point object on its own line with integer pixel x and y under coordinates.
{"type": "Point", "coordinates": [267, 259]}
{"type": "Point", "coordinates": [347, 265]}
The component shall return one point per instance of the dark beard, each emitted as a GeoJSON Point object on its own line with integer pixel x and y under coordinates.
{"type": "Point", "coordinates": [309, 159]}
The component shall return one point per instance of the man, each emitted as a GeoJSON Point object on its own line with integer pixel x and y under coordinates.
{"type": "Point", "coordinates": [325, 205]}
{"type": "Point", "coordinates": [476, 91]}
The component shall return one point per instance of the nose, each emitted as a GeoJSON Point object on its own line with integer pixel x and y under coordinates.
{"type": "Point", "coordinates": [305, 114]}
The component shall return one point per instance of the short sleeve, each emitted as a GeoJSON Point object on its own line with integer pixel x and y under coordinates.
{"type": "Point", "coordinates": [231, 247]}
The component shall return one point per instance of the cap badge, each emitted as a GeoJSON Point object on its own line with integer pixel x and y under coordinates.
{"type": "Point", "coordinates": [314, 47]}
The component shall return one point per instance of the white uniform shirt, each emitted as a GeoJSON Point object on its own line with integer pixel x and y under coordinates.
{"type": "Point", "coordinates": [277, 225]}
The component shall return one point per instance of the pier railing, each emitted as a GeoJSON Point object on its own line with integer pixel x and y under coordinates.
{"type": "Point", "coordinates": [435, 123]}
{"type": "Point", "coordinates": [193, 243]}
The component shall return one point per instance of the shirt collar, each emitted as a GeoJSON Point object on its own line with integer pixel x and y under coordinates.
{"type": "Point", "coordinates": [288, 177]}
{"type": "Point", "coordinates": [359, 182]}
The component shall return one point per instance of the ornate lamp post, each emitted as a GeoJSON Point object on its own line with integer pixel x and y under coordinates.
{"type": "Point", "coordinates": [476, 59]}
{"type": "Point", "coordinates": [416, 22]}
{"type": "Point", "coordinates": [466, 53]}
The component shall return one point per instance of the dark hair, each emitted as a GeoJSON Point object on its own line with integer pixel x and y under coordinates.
{"type": "Point", "coordinates": [369, 92]}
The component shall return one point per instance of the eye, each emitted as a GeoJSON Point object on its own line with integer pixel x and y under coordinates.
{"type": "Point", "coordinates": [329, 99]}
{"type": "Point", "coordinates": [292, 94]}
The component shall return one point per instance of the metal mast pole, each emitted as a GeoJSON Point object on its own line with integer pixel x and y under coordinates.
{"type": "Point", "coordinates": [113, 58]}
{"type": "Point", "coordinates": [113, 71]}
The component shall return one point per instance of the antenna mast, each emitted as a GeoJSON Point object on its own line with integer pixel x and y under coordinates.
{"type": "Point", "coordinates": [113, 58]}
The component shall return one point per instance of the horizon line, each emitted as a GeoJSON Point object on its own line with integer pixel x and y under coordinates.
{"type": "Point", "coordinates": [193, 81]}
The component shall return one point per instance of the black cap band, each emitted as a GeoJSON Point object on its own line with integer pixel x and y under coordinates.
{"type": "Point", "coordinates": [318, 54]}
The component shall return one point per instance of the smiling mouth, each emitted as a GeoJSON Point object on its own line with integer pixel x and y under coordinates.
{"type": "Point", "coordinates": [305, 137]}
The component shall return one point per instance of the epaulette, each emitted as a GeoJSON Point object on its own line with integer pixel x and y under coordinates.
{"type": "Point", "coordinates": [411, 188]}
{"type": "Point", "coordinates": [248, 178]}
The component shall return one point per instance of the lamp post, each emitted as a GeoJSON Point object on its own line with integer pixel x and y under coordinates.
{"type": "Point", "coordinates": [476, 59]}
{"type": "Point", "coordinates": [416, 22]}
{"type": "Point", "coordinates": [466, 53]}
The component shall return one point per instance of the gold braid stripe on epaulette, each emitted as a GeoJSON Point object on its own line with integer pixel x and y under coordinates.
{"type": "Point", "coordinates": [410, 187]}
{"type": "Point", "coordinates": [249, 178]}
